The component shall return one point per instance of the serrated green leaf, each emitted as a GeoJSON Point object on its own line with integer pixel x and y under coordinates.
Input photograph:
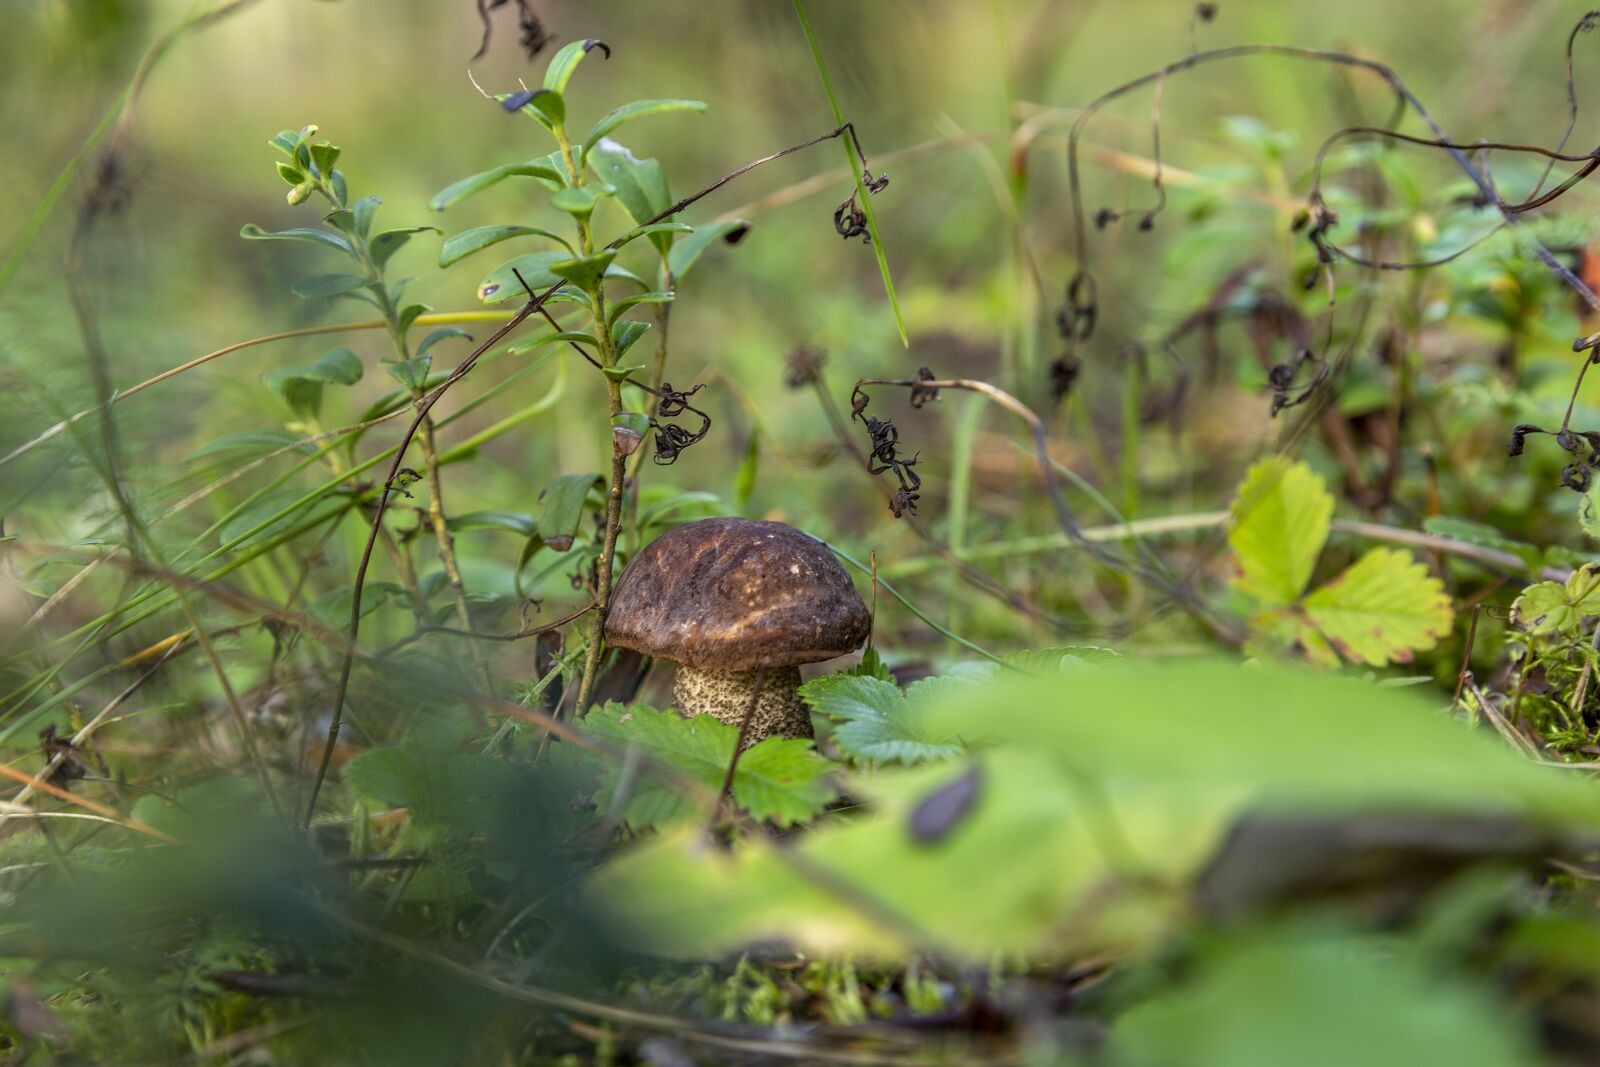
{"type": "Point", "coordinates": [501, 283]}
{"type": "Point", "coordinates": [781, 779]}
{"type": "Point", "coordinates": [637, 109]}
{"type": "Point", "coordinates": [251, 232]}
{"type": "Point", "coordinates": [877, 722]}
{"type": "Point", "coordinates": [686, 252]}
{"type": "Point", "coordinates": [458, 246]}
{"type": "Point", "coordinates": [1559, 607]}
{"type": "Point", "coordinates": [1280, 521]}
{"type": "Point", "coordinates": [473, 184]}
{"type": "Point", "coordinates": [1382, 609]}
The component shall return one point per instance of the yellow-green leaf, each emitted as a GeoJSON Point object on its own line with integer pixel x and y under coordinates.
{"type": "Point", "coordinates": [1382, 609]}
{"type": "Point", "coordinates": [1280, 523]}
{"type": "Point", "coordinates": [1553, 607]}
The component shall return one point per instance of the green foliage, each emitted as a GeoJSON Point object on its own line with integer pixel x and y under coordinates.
{"type": "Point", "coordinates": [1559, 607]}
{"type": "Point", "coordinates": [877, 723]}
{"type": "Point", "coordinates": [780, 779]}
{"type": "Point", "coordinates": [1131, 778]}
{"type": "Point", "coordinates": [1382, 609]}
{"type": "Point", "coordinates": [1318, 998]}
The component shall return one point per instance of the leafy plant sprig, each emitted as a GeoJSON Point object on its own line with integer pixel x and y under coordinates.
{"type": "Point", "coordinates": [310, 168]}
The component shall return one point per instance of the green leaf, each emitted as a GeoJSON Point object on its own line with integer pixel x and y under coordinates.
{"type": "Point", "coordinates": [620, 373]}
{"type": "Point", "coordinates": [653, 231]}
{"type": "Point", "coordinates": [324, 156]}
{"type": "Point", "coordinates": [333, 607]}
{"type": "Point", "coordinates": [586, 271]}
{"type": "Point", "coordinates": [625, 334]}
{"type": "Point", "coordinates": [292, 175]}
{"type": "Point", "coordinates": [638, 109]}
{"type": "Point", "coordinates": [300, 513]}
{"type": "Point", "coordinates": [781, 779]}
{"type": "Point", "coordinates": [1050, 662]}
{"type": "Point", "coordinates": [580, 200]}
{"type": "Point", "coordinates": [1313, 998]}
{"type": "Point", "coordinates": [501, 283]}
{"type": "Point", "coordinates": [1479, 533]}
{"type": "Point", "coordinates": [528, 344]}
{"type": "Point", "coordinates": [411, 373]}
{"type": "Point", "coordinates": [514, 521]}
{"type": "Point", "coordinates": [389, 242]}
{"type": "Point", "coordinates": [627, 302]}
{"type": "Point", "coordinates": [252, 442]}
{"type": "Point", "coordinates": [564, 62]}
{"type": "Point", "coordinates": [1557, 607]}
{"type": "Point", "coordinates": [687, 251]}
{"type": "Point", "coordinates": [443, 333]}
{"type": "Point", "coordinates": [250, 231]}
{"type": "Point", "coordinates": [477, 183]}
{"type": "Point", "coordinates": [324, 285]}
{"type": "Point", "coordinates": [1093, 811]}
{"type": "Point", "coordinates": [1280, 520]}
{"type": "Point", "coordinates": [562, 508]}
{"type": "Point", "coordinates": [877, 723]}
{"type": "Point", "coordinates": [301, 387]}
{"type": "Point", "coordinates": [458, 246]}
{"type": "Point", "coordinates": [337, 365]}
{"type": "Point", "coordinates": [409, 313]}
{"type": "Point", "coordinates": [545, 105]}
{"type": "Point", "coordinates": [641, 186]}
{"type": "Point", "coordinates": [363, 213]}
{"type": "Point", "coordinates": [1381, 609]}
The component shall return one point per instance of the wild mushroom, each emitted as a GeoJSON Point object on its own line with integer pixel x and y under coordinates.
{"type": "Point", "coordinates": [725, 599]}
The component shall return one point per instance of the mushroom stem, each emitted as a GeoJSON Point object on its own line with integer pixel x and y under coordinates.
{"type": "Point", "coordinates": [725, 695]}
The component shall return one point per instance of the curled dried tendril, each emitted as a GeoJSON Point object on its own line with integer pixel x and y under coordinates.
{"type": "Point", "coordinates": [1582, 445]}
{"type": "Point", "coordinates": [885, 453]}
{"type": "Point", "coordinates": [672, 439]}
{"type": "Point", "coordinates": [533, 37]}
{"type": "Point", "coordinates": [920, 393]}
{"type": "Point", "coordinates": [1076, 316]}
{"type": "Point", "coordinates": [1281, 381]}
{"type": "Point", "coordinates": [848, 219]}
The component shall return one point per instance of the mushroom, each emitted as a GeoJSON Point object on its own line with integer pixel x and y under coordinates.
{"type": "Point", "coordinates": [736, 603]}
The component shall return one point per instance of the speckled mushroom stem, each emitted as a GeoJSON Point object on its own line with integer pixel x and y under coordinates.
{"type": "Point", "coordinates": [725, 695]}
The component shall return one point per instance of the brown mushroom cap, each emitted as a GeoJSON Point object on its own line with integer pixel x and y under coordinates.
{"type": "Point", "coordinates": [736, 594]}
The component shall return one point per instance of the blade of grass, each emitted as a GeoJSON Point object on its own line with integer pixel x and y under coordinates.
{"type": "Point", "coordinates": [857, 168]}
